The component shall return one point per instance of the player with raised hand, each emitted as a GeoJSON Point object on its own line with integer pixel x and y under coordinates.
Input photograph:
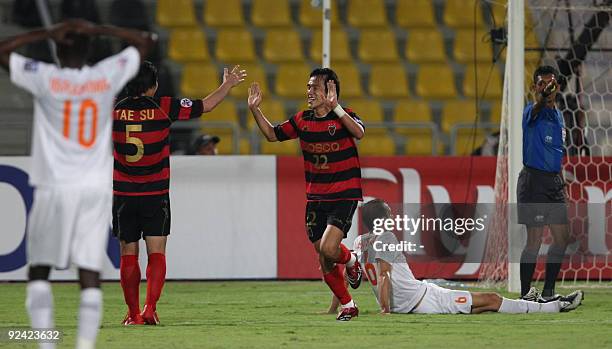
{"type": "Point", "coordinates": [398, 291]}
{"type": "Point", "coordinates": [71, 161]}
{"type": "Point", "coordinates": [141, 204]}
{"type": "Point", "coordinates": [327, 135]}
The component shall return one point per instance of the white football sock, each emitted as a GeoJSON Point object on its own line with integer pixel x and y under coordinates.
{"type": "Point", "coordinates": [518, 306]}
{"type": "Point", "coordinates": [351, 261]}
{"type": "Point", "coordinates": [90, 315]}
{"type": "Point", "coordinates": [39, 303]}
{"type": "Point", "coordinates": [350, 304]}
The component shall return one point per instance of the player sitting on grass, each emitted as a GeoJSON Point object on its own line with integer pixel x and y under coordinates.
{"type": "Point", "coordinates": [398, 291]}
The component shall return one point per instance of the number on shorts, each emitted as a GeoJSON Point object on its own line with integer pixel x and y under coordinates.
{"type": "Point", "coordinates": [461, 300]}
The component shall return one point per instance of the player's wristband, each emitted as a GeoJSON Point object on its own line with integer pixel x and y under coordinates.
{"type": "Point", "coordinates": [339, 111]}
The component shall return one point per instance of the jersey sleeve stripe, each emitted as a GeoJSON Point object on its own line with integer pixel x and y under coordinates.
{"type": "Point", "coordinates": [184, 113]}
{"type": "Point", "coordinates": [164, 103]}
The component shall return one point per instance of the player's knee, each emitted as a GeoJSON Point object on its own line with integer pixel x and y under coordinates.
{"type": "Point", "coordinates": [328, 252]}
{"type": "Point", "coordinates": [38, 272]}
{"type": "Point", "coordinates": [129, 248]}
{"type": "Point", "coordinates": [89, 279]}
{"type": "Point", "coordinates": [494, 300]}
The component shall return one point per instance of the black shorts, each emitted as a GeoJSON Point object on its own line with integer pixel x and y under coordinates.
{"type": "Point", "coordinates": [320, 214]}
{"type": "Point", "coordinates": [541, 198]}
{"type": "Point", "coordinates": [135, 217]}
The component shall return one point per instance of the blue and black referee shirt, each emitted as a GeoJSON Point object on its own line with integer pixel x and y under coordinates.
{"type": "Point", "coordinates": [543, 139]}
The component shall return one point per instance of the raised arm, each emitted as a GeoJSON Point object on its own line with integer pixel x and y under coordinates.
{"type": "Point", "coordinates": [264, 125]}
{"type": "Point", "coordinates": [230, 79]}
{"type": "Point", "coordinates": [351, 124]}
{"type": "Point", "coordinates": [544, 97]}
{"type": "Point", "coordinates": [384, 286]}
{"type": "Point", "coordinates": [9, 45]}
{"type": "Point", "coordinates": [142, 40]}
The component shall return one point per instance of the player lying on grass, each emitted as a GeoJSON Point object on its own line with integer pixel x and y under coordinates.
{"type": "Point", "coordinates": [141, 202]}
{"type": "Point", "coordinates": [333, 174]}
{"type": "Point", "coordinates": [398, 291]}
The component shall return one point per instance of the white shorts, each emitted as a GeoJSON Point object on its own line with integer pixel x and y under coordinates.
{"type": "Point", "coordinates": [69, 224]}
{"type": "Point", "coordinates": [439, 300]}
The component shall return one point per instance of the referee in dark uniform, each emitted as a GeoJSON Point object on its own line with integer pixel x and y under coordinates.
{"type": "Point", "coordinates": [540, 188]}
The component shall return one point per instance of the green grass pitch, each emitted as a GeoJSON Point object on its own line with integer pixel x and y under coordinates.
{"type": "Point", "coordinates": [287, 314]}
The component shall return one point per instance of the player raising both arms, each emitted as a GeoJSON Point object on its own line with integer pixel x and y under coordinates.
{"type": "Point", "coordinates": [398, 291]}
{"type": "Point", "coordinates": [141, 204]}
{"type": "Point", "coordinates": [333, 175]}
{"type": "Point", "coordinates": [71, 161]}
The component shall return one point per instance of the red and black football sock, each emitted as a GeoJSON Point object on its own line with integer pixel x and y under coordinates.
{"type": "Point", "coordinates": [335, 280]}
{"type": "Point", "coordinates": [345, 256]}
{"type": "Point", "coordinates": [130, 282]}
{"type": "Point", "coordinates": [156, 276]}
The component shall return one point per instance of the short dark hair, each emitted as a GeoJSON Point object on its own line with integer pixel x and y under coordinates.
{"type": "Point", "coordinates": [329, 75]}
{"type": "Point", "coordinates": [372, 210]}
{"type": "Point", "coordinates": [143, 81]}
{"type": "Point", "coordinates": [544, 70]}
{"type": "Point", "coordinates": [77, 46]}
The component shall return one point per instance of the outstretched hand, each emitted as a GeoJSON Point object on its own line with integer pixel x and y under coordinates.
{"type": "Point", "coordinates": [255, 96]}
{"type": "Point", "coordinates": [234, 77]}
{"type": "Point", "coordinates": [332, 97]}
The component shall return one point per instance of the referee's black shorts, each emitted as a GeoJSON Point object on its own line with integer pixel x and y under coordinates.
{"type": "Point", "coordinates": [135, 217]}
{"type": "Point", "coordinates": [541, 198]}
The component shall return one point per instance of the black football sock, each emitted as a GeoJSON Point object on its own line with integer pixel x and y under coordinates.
{"type": "Point", "coordinates": [528, 264]}
{"type": "Point", "coordinates": [553, 265]}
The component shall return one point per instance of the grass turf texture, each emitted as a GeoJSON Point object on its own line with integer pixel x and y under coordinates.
{"type": "Point", "coordinates": [286, 314]}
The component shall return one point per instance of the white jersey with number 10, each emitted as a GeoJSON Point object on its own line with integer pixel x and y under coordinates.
{"type": "Point", "coordinates": [71, 142]}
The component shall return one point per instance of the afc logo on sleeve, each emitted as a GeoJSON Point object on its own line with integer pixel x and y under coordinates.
{"type": "Point", "coordinates": [186, 103]}
{"type": "Point", "coordinates": [30, 66]}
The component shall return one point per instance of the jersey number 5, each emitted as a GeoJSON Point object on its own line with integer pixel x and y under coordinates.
{"type": "Point", "coordinates": [86, 105]}
{"type": "Point", "coordinates": [135, 141]}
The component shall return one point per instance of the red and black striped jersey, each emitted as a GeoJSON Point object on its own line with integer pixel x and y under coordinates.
{"type": "Point", "coordinates": [141, 126]}
{"type": "Point", "coordinates": [331, 162]}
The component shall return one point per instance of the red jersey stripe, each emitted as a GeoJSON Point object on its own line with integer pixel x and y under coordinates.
{"type": "Point", "coordinates": [146, 160]}
{"type": "Point", "coordinates": [184, 113]}
{"type": "Point", "coordinates": [333, 167]}
{"type": "Point", "coordinates": [328, 188]}
{"type": "Point", "coordinates": [165, 104]}
{"type": "Point", "coordinates": [146, 137]}
{"type": "Point", "coordinates": [120, 176]}
{"type": "Point", "coordinates": [127, 193]}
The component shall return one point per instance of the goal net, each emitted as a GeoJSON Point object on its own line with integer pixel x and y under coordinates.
{"type": "Point", "coordinates": [575, 37]}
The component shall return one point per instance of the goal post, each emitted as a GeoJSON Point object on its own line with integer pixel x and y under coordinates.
{"type": "Point", "coordinates": [515, 75]}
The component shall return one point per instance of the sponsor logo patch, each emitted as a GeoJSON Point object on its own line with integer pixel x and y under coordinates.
{"type": "Point", "coordinates": [30, 66]}
{"type": "Point", "coordinates": [186, 103]}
